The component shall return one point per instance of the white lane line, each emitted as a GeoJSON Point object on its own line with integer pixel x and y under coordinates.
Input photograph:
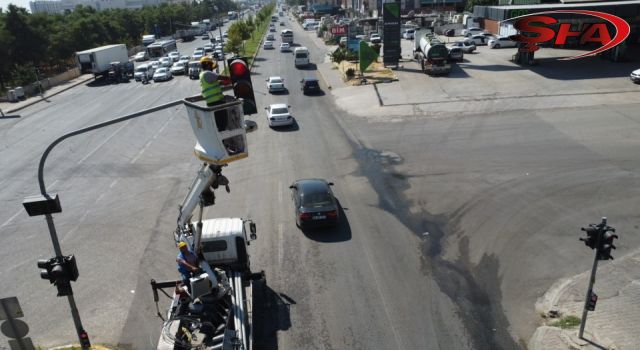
{"type": "Point", "coordinates": [279, 191]}
{"type": "Point", "coordinates": [11, 218]}
{"type": "Point", "coordinates": [75, 228]}
{"type": "Point", "coordinates": [140, 153]}
{"type": "Point", "coordinates": [280, 244]}
{"type": "Point", "coordinates": [103, 142]}
{"type": "Point", "coordinates": [113, 183]}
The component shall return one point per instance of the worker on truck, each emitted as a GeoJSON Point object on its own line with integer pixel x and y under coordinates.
{"type": "Point", "coordinates": [187, 263]}
{"type": "Point", "coordinates": [212, 90]}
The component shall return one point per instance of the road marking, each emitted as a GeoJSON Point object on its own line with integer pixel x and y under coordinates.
{"type": "Point", "coordinates": [280, 244]}
{"type": "Point", "coordinates": [113, 183]}
{"type": "Point", "coordinates": [279, 191]}
{"type": "Point", "coordinates": [73, 230]}
{"type": "Point", "coordinates": [103, 142]}
{"type": "Point", "coordinates": [11, 218]}
{"type": "Point", "coordinates": [140, 153]}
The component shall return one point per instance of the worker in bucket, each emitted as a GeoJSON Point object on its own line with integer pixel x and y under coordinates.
{"type": "Point", "coordinates": [187, 263]}
{"type": "Point", "coordinates": [212, 90]}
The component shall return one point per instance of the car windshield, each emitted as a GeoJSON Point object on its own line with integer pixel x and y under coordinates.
{"type": "Point", "coordinates": [312, 83]}
{"type": "Point", "coordinates": [301, 55]}
{"type": "Point", "coordinates": [276, 81]}
{"type": "Point", "coordinates": [161, 70]}
{"type": "Point", "coordinates": [279, 111]}
{"type": "Point", "coordinates": [316, 200]}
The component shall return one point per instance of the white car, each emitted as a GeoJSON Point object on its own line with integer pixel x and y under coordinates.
{"type": "Point", "coordinates": [141, 56]}
{"type": "Point", "coordinates": [479, 39]}
{"type": "Point", "coordinates": [275, 84]}
{"type": "Point", "coordinates": [467, 46]}
{"type": "Point", "coordinates": [197, 55]}
{"type": "Point", "coordinates": [271, 37]}
{"type": "Point", "coordinates": [175, 56]}
{"type": "Point", "coordinates": [502, 41]}
{"type": "Point", "coordinates": [184, 59]}
{"type": "Point", "coordinates": [162, 74]}
{"type": "Point", "coordinates": [472, 31]}
{"type": "Point", "coordinates": [165, 62]}
{"type": "Point", "coordinates": [141, 71]}
{"type": "Point", "coordinates": [208, 48]}
{"type": "Point", "coordinates": [285, 47]}
{"type": "Point", "coordinates": [375, 38]}
{"type": "Point", "coordinates": [153, 65]}
{"type": "Point", "coordinates": [409, 34]}
{"type": "Point", "coordinates": [178, 68]}
{"type": "Point", "coordinates": [278, 115]}
{"type": "Point", "coordinates": [635, 76]}
{"type": "Point", "coordinates": [268, 45]}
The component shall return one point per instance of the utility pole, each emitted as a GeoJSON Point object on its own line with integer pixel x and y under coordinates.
{"type": "Point", "coordinates": [220, 22]}
{"type": "Point", "coordinates": [599, 237]}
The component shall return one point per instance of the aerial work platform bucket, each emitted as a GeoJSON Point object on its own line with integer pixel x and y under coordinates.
{"type": "Point", "coordinates": [220, 132]}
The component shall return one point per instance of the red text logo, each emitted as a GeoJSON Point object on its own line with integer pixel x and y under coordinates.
{"type": "Point", "coordinates": [539, 31]}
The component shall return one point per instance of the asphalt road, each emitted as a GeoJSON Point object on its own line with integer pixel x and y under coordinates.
{"type": "Point", "coordinates": [360, 286]}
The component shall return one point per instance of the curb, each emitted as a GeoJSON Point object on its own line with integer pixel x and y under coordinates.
{"type": "Point", "coordinates": [47, 96]}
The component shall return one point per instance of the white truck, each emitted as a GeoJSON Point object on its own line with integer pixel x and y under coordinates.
{"type": "Point", "coordinates": [431, 53]}
{"type": "Point", "coordinates": [98, 61]}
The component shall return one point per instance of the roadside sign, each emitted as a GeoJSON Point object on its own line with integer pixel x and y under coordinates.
{"type": "Point", "coordinates": [391, 31]}
{"type": "Point", "coordinates": [10, 308]}
{"type": "Point", "coordinates": [353, 45]}
{"type": "Point", "coordinates": [338, 30]}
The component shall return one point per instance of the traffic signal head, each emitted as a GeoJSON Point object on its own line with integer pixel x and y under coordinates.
{"type": "Point", "coordinates": [592, 236]}
{"type": "Point", "coordinates": [242, 86]}
{"type": "Point", "coordinates": [593, 300]}
{"type": "Point", "coordinates": [606, 244]}
{"type": "Point", "coordinates": [47, 265]}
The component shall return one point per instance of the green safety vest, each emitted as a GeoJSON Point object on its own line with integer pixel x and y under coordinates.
{"type": "Point", "coordinates": [211, 92]}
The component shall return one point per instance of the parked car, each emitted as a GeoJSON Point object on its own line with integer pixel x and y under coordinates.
{"type": "Point", "coordinates": [375, 38]}
{"type": "Point", "coordinates": [456, 54]}
{"type": "Point", "coordinates": [314, 202]}
{"type": "Point", "coordinates": [162, 74]}
{"type": "Point", "coordinates": [409, 34]}
{"type": "Point", "coordinates": [309, 85]}
{"type": "Point", "coordinates": [479, 39]}
{"type": "Point", "coordinates": [278, 115]}
{"type": "Point", "coordinates": [267, 45]}
{"type": "Point", "coordinates": [165, 61]}
{"type": "Point", "coordinates": [141, 56]}
{"type": "Point", "coordinates": [285, 47]}
{"type": "Point", "coordinates": [467, 46]}
{"type": "Point", "coordinates": [472, 31]}
{"type": "Point", "coordinates": [178, 68]}
{"type": "Point", "coordinates": [502, 41]}
{"type": "Point", "coordinates": [635, 76]}
{"type": "Point", "coordinates": [275, 84]}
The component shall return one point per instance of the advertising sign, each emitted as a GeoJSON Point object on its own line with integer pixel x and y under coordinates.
{"type": "Point", "coordinates": [542, 28]}
{"type": "Point", "coordinates": [391, 32]}
{"type": "Point", "coordinates": [339, 30]}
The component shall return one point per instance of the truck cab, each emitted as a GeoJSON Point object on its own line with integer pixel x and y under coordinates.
{"type": "Point", "coordinates": [224, 243]}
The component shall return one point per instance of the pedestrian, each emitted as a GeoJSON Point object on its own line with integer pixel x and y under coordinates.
{"type": "Point", "coordinates": [187, 263]}
{"type": "Point", "coordinates": [212, 91]}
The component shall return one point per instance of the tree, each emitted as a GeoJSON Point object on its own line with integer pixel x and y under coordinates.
{"type": "Point", "coordinates": [472, 3]}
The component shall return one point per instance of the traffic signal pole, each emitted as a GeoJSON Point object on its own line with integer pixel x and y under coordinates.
{"type": "Point", "coordinates": [592, 281]}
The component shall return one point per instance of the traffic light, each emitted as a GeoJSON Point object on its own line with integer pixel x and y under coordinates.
{"type": "Point", "coordinates": [242, 86]}
{"type": "Point", "coordinates": [592, 236]}
{"type": "Point", "coordinates": [70, 267]}
{"type": "Point", "coordinates": [606, 244]}
{"type": "Point", "coordinates": [47, 265]}
{"type": "Point", "coordinates": [85, 343]}
{"type": "Point", "coordinates": [593, 299]}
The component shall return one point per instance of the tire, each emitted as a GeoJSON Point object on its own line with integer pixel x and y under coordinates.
{"type": "Point", "coordinates": [496, 46]}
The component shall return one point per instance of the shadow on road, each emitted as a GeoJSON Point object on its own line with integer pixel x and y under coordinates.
{"type": "Point", "coordinates": [583, 68]}
{"type": "Point", "coordinates": [259, 59]}
{"type": "Point", "coordinates": [282, 92]}
{"type": "Point", "coordinates": [310, 66]}
{"type": "Point", "coordinates": [339, 233]}
{"type": "Point", "coordinates": [288, 128]}
{"type": "Point", "coordinates": [491, 67]}
{"type": "Point", "coordinates": [271, 314]}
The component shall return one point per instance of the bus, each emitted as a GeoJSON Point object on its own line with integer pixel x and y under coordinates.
{"type": "Point", "coordinates": [161, 48]}
{"type": "Point", "coordinates": [287, 36]}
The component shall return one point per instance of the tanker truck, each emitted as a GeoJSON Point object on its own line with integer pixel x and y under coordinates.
{"type": "Point", "coordinates": [431, 53]}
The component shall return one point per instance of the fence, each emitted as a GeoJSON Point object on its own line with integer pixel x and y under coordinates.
{"type": "Point", "coordinates": [47, 83]}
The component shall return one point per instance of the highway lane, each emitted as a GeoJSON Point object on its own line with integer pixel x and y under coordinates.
{"type": "Point", "coordinates": [360, 286]}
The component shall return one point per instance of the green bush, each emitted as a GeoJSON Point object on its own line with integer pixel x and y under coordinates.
{"type": "Point", "coordinates": [567, 322]}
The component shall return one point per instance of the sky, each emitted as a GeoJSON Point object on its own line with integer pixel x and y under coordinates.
{"type": "Point", "coordinates": [20, 3]}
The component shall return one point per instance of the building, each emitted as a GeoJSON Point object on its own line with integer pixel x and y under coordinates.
{"type": "Point", "coordinates": [59, 6]}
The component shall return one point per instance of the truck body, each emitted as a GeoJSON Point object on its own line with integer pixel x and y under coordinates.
{"type": "Point", "coordinates": [187, 34]}
{"type": "Point", "coordinates": [431, 53]}
{"type": "Point", "coordinates": [98, 61]}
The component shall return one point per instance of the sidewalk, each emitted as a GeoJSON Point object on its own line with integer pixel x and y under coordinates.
{"type": "Point", "coordinates": [12, 107]}
{"type": "Point", "coordinates": [614, 323]}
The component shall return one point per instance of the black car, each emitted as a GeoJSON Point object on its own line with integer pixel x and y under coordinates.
{"type": "Point", "coordinates": [309, 85]}
{"type": "Point", "coordinates": [315, 205]}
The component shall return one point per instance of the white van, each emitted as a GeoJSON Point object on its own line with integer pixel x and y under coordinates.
{"type": "Point", "coordinates": [301, 56]}
{"type": "Point", "coordinates": [148, 39]}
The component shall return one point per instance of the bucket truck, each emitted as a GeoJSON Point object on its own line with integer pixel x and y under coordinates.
{"type": "Point", "coordinates": [215, 310]}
